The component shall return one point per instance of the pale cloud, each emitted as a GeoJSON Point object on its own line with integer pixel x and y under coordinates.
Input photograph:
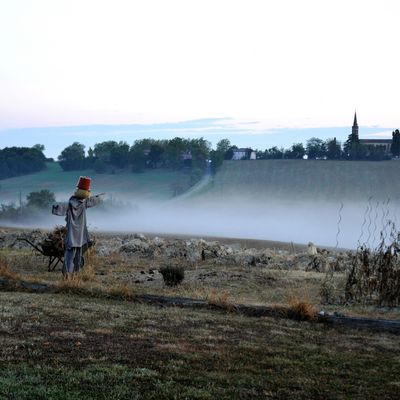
{"type": "Point", "coordinates": [380, 135]}
{"type": "Point", "coordinates": [285, 63]}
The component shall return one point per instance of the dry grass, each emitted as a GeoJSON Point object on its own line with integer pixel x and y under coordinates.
{"type": "Point", "coordinates": [223, 284]}
{"type": "Point", "coordinates": [302, 309]}
{"type": "Point", "coordinates": [5, 270]}
{"type": "Point", "coordinates": [72, 285]}
{"type": "Point", "coordinates": [87, 274]}
{"type": "Point", "coordinates": [219, 299]}
{"type": "Point", "coordinates": [95, 348]}
{"type": "Point", "coordinates": [122, 291]}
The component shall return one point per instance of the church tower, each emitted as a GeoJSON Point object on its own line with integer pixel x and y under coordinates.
{"type": "Point", "coordinates": [354, 129]}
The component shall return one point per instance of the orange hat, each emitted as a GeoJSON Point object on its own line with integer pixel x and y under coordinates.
{"type": "Point", "coordinates": [84, 183]}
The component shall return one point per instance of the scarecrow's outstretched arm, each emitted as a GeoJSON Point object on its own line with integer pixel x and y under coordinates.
{"type": "Point", "coordinates": [94, 200]}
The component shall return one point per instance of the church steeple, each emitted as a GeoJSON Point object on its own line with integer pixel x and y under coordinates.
{"type": "Point", "coordinates": [355, 119]}
{"type": "Point", "coordinates": [354, 129]}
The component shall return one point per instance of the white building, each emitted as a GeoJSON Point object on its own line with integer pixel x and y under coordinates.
{"type": "Point", "coordinates": [243, 154]}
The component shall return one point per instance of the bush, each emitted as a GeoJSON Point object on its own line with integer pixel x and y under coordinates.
{"type": "Point", "coordinates": [302, 309]}
{"type": "Point", "coordinates": [172, 275]}
{"type": "Point", "coordinates": [374, 275]}
{"type": "Point", "coordinates": [42, 200]}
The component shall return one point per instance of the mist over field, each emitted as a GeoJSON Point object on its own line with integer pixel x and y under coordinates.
{"type": "Point", "coordinates": [291, 221]}
{"type": "Point", "coordinates": [328, 203]}
{"type": "Point", "coordinates": [299, 222]}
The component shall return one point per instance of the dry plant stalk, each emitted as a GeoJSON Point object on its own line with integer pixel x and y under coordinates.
{"type": "Point", "coordinates": [374, 275]}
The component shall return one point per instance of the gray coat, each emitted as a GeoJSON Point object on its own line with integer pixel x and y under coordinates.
{"type": "Point", "coordinates": [77, 233]}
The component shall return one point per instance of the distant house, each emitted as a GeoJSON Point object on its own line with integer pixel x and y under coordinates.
{"type": "Point", "coordinates": [243, 154]}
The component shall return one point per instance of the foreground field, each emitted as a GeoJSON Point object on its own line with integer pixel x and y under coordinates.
{"type": "Point", "coordinates": [69, 347]}
{"type": "Point", "coordinates": [93, 339]}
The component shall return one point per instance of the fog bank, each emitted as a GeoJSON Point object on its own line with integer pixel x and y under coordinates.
{"type": "Point", "coordinates": [331, 224]}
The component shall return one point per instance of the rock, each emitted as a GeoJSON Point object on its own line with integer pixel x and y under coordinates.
{"type": "Point", "coordinates": [158, 241]}
{"type": "Point", "coordinates": [136, 246]}
{"type": "Point", "coordinates": [312, 249]}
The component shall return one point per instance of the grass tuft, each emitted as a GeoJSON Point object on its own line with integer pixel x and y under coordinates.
{"type": "Point", "coordinates": [122, 291]}
{"type": "Point", "coordinates": [5, 270]}
{"type": "Point", "coordinates": [87, 274]}
{"type": "Point", "coordinates": [172, 275]}
{"type": "Point", "coordinates": [220, 299]}
{"type": "Point", "coordinates": [302, 309]}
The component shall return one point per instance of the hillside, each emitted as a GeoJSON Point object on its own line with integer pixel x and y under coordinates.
{"type": "Point", "coordinates": [303, 179]}
{"type": "Point", "coordinates": [150, 185]}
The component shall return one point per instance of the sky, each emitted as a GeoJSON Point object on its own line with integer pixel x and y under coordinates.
{"type": "Point", "coordinates": [257, 67]}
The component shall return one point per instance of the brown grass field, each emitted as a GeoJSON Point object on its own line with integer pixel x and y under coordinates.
{"type": "Point", "coordinates": [73, 346]}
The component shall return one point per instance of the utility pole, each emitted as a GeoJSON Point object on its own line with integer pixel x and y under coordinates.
{"type": "Point", "coordinates": [20, 202]}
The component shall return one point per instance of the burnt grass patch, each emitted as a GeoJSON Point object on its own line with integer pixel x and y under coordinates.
{"type": "Point", "coordinates": [71, 347]}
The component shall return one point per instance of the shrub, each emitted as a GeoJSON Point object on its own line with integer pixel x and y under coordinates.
{"type": "Point", "coordinates": [374, 275]}
{"type": "Point", "coordinates": [172, 275]}
{"type": "Point", "coordinates": [43, 199]}
{"type": "Point", "coordinates": [302, 309]}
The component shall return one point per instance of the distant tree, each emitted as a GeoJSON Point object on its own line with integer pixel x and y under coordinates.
{"type": "Point", "coordinates": [218, 155]}
{"type": "Point", "coordinates": [229, 153]}
{"type": "Point", "coordinates": [90, 159]}
{"type": "Point", "coordinates": [353, 149]}
{"type": "Point", "coordinates": [120, 155]}
{"type": "Point", "coordinates": [223, 147]}
{"type": "Point", "coordinates": [217, 159]}
{"type": "Point", "coordinates": [395, 147]}
{"type": "Point", "coordinates": [315, 148]}
{"type": "Point", "coordinates": [174, 149]}
{"type": "Point", "coordinates": [297, 151]}
{"type": "Point", "coordinates": [200, 150]}
{"type": "Point", "coordinates": [15, 161]}
{"type": "Point", "coordinates": [39, 147]}
{"type": "Point", "coordinates": [137, 158]}
{"type": "Point", "coordinates": [90, 153]}
{"type": "Point", "coordinates": [42, 199]}
{"type": "Point", "coordinates": [72, 157]}
{"type": "Point", "coordinates": [260, 155]}
{"type": "Point", "coordinates": [103, 150]}
{"type": "Point", "coordinates": [155, 155]}
{"type": "Point", "coordinates": [9, 212]}
{"type": "Point", "coordinates": [111, 154]}
{"type": "Point", "coordinates": [274, 153]}
{"type": "Point", "coordinates": [333, 149]}
{"type": "Point", "coordinates": [376, 153]}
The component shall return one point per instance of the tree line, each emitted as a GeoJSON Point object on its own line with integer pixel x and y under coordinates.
{"type": "Point", "coordinates": [34, 203]}
{"type": "Point", "coordinates": [179, 153]}
{"type": "Point", "coordinates": [332, 149]}
{"type": "Point", "coordinates": [144, 154]}
{"type": "Point", "coordinates": [15, 161]}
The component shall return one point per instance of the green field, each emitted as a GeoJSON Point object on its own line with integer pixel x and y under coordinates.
{"type": "Point", "coordinates": [148, 185]}
{"type": "Point", "coordinates": [314, 179]}
{"type": "Point", "coordinates": [261, 179]}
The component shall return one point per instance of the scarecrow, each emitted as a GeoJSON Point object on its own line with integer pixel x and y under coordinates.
{"type": "Point", "coordinates": [77, 233]}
